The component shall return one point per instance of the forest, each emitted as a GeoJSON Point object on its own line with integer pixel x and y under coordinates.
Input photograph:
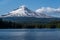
{"type": "Point", "coordinates": [15, 25]}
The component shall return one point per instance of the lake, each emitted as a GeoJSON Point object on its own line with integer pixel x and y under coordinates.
{"type": "Point", "coordinates": [29, 34]}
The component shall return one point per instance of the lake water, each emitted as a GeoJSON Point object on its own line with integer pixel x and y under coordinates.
{"type": "Point", "coordinates": [29, 34]}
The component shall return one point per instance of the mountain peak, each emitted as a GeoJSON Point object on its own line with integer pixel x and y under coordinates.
{"type": "Point", "coordinates": [23, 7]}
{"type": "Point", "coordinates": [23, 11]}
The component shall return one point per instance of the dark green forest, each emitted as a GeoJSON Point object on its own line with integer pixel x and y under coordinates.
{"type": "Point", "coordinates": [14, 25]}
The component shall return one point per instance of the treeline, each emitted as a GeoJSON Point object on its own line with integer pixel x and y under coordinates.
{"type": "Point", "coordinates": [14, 25]}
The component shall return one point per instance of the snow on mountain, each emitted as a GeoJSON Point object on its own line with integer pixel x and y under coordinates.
{"type": "Point", "coordinates": [23, 11]}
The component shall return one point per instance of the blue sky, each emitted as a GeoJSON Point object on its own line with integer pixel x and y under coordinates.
{"type": "Point", "coordinates": [8, 5]}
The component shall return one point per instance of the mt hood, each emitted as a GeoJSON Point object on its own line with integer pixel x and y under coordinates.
{"type": "Point", "coordinates": [23, 11]}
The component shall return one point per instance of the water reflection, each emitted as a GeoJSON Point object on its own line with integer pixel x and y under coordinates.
{"type": "Point", "coordinates": [30, 34]}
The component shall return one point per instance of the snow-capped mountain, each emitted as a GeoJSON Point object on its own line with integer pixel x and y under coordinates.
{"type": "Point", "coordinates": [23, 11]}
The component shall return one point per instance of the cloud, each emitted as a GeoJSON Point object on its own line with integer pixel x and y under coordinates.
{"type": "Point", "coordinates": [48, 10]}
